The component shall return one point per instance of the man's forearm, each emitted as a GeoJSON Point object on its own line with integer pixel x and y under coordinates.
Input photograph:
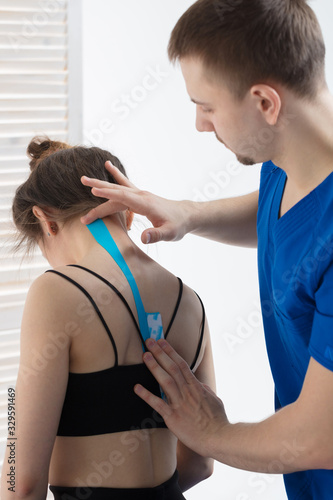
{"type": "Point", "coordinates": [232, 221]}
{"type": "Point", "coordinates": [280, 444]}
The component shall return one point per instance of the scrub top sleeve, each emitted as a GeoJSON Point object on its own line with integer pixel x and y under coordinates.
{"type": "Point", "coordinates": [321, 342]}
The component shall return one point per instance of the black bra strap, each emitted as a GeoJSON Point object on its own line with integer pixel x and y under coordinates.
{"type": "Point", "coordinates": [122, 298]}
{"type": "Point", "coordinates": [176, 308]}
{"type": "Point", "coordinates": [201, 334]}
{"type": "Point", "coordinates": [95, 307]}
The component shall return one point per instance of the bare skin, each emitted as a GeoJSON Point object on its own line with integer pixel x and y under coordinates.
{"type": "Point", "coordinates": [301, 144]}
{"type": "Point", "coordinates": [172, 220]}
{"type": "Point", "coordinates": [56, 308]}
{"type": "Point", "coordinates": [298, 437]}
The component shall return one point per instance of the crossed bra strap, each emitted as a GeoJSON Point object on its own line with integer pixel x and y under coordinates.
{"type": "Point", "coordinates": [89, 297]}
{"type": "Point", "coordinates": [122, 298]}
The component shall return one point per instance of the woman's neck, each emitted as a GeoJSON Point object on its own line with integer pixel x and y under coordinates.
{"type": "Point", "coordinates": [77, 245]}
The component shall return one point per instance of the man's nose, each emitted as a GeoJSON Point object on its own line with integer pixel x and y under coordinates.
{"type": "Point", "coordinates": [202, 123]}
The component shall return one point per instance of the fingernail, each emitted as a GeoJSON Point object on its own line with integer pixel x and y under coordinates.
{"type": "Point", "coordinates": [148, 237]}
{"type": "Point", "coordinates": [147, 356]}
{"type": "Point", "coordinates": [162, 343]}
{"type": "Point", "coordinates": [150, 343]}
{"type": "Point", "coordinates": [138, 389]}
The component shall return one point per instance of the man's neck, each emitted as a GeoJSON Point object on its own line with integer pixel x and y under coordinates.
{"type": "Point", "coordinates": [307, 144]}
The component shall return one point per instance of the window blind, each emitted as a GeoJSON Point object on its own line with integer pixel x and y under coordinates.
{"type": "Point", "coordinates": [34, 99]}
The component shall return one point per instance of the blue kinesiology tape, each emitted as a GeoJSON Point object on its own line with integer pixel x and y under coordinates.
{"type": "Point", "coordinates": [150, 323]}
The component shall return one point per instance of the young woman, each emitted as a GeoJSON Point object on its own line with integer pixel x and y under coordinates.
{"type": "Point", "coordinates": [80, 426]}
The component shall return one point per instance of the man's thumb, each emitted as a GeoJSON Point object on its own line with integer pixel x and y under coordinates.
{"type": "Point", "coordinates": [151, 235]}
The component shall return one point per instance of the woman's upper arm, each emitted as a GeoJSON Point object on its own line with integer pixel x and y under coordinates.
{"type": "Point", "coordinates": [204, 369]}
{"type": "Point", "coordinates": [192, 467]}
{"type": "Point", "coordinates": [42, 379]}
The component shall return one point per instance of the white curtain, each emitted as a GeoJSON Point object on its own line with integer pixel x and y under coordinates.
{"type": "Point", "coordinates": [34, 99]}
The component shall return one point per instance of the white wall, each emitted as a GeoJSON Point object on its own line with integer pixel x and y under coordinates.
{"type": "Point", "coordinates": [155, 137]}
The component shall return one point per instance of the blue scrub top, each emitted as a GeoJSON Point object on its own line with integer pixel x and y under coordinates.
{"type": "Point", "coordinates": [295, 263]}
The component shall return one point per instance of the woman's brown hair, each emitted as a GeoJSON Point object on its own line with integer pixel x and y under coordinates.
{"type": "Point", "coordinates": [54, 185]}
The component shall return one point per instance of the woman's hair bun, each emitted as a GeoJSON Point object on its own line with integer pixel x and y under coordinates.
{"type": "Point", "coordinates": [42, 147]}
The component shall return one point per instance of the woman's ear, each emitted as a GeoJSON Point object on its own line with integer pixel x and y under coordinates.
{"type": "Point", "coordinates": [49, 227]}
{"type": "Point", "coordinates": [129, 219]}
{"type": "Point", "coordinates": [38, 213]}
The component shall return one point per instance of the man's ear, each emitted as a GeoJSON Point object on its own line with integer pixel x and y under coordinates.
{"type": "Point", "coordinates": [129, 219]}
{"type": "Point", "coordinates": [268, 102]}
{"type": "Point", "coordinates": [50, 227]}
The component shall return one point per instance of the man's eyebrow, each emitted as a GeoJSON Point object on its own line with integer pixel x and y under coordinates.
{"type": "Point", "coordinates": [198, 102]}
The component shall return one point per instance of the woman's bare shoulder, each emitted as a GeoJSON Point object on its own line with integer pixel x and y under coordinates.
{"type": "Point", "coordinates": [191, 301]}
{"type": "Point", "coordinates": [49, 283]}
{"type": "Point", "coordinates": [52, 298]}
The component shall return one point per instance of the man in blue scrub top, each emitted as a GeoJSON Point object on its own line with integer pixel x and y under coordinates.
{"type": "Point", "coordinates": [255, 70]}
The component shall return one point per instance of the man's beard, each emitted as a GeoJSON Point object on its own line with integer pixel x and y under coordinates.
{"type": "Point", "coordinates": [244, 160]}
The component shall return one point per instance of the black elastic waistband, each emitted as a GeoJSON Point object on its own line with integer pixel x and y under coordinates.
{"type": "Point", "coordinates": [168, 489]}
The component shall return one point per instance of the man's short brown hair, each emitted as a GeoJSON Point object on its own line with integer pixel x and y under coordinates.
{"type": "Point", "coordinates": [245, 42]}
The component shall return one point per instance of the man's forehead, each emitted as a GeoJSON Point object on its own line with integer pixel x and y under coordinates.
{"type": "Point", "coordinates": [198, 87]}
{"type": "Point", "coordinates": [197, 76]}
{"type": "Point", "coordinates": [192, 66]}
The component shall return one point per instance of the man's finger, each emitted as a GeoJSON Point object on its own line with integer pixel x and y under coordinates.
{"type": "Point", "coordinates": [153, 235]}
{"type": "Point", "coordinates": [98, 183]}
{"type": "Point", "coordinates": [103, 210]}
{"type": "Point", "coordinates": [120, 199]}
{"type": "Point", "coordinates": [124, 196]}
{"type": "Point", "coordinates": [178, 360]}
{"type": "Point", "coordinates": [119, 177]}
{"type": "Point", "coordinates": [174, 375]}
{"type": "Point", "coordinates": [156, 403]}
{"type": "Point", "coordinates": [170, 383]}
{"type": "Point", "coordinates": [164, 232]}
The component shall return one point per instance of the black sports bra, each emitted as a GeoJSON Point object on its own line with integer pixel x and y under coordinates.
{"type": "Point", "coordinates": [104, 402]}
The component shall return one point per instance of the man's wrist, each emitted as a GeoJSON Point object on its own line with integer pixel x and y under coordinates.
{"type": "Point", "coordinates": [191, 215]}
{"type": "Point", "coordinates": [217, 438]}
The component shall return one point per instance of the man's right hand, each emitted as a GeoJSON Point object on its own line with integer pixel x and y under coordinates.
{"type": "Point", "coordinates": [169, 218]}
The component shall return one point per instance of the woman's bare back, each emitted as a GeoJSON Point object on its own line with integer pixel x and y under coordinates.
{"type": "Point", "coordinates": [134, 458]}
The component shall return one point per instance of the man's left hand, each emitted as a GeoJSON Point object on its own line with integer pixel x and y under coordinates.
{"type": "Point", "coordinates": [192, 412]}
